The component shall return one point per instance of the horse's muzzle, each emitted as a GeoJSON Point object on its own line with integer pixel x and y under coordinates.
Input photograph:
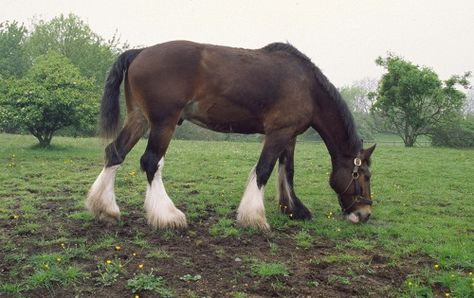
{"type": "Point", "coordinates": [360, 215]}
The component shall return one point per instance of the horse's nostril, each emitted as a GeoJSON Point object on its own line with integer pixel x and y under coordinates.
{"type": "Point", "coordinates": [366, 218]}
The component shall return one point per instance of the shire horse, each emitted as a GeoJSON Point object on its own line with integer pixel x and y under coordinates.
{"type": "Point", "coordinates": [276, 91]}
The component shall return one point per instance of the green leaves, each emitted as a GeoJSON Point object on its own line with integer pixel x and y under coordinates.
{"type": "Point", "coordinates": [413, 100]}
{"type": "Point", "coordinates": [52, 95]}
{"type": "Point", "coordinates": [13, 57]}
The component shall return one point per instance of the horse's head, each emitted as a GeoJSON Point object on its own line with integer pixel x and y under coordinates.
{"type": "Point", "coordinates": [351, 181]}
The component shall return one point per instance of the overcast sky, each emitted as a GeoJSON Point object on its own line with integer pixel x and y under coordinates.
{"type": "Point", "coordinates": [342, 37]}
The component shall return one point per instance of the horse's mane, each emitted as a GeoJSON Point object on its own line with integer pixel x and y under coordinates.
{"type": "Point", "coordinates": [328, 87]}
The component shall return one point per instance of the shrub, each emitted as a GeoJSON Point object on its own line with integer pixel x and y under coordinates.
{"type": "Point", "coordinates": [459, 134]}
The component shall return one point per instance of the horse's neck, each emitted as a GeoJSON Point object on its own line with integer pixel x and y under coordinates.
{"type": "Point", "coordinates": [329, 123]}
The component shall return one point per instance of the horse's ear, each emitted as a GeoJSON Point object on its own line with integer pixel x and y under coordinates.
{"type": "Point", "coordinates": [366, 153]}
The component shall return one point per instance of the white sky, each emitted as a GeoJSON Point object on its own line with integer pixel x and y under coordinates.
{"type": "Point", "coordinates": [342, 37]}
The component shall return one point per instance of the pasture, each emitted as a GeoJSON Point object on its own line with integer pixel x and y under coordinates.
{"type": "Point", "coordinates": [419, 241]}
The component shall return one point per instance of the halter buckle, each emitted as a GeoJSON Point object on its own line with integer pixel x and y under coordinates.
{"type": "Point", "coordinates": [357, 162]}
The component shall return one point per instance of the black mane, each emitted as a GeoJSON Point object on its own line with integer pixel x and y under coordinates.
{"type": "Point", "coordinates": [327, 86]}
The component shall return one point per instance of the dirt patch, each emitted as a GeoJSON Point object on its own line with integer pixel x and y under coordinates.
{"type": "Point", "coordinates": [224, 264]}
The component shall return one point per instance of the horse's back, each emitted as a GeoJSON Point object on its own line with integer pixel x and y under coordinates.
{"type": "Point", "coordinates": [222, 88]}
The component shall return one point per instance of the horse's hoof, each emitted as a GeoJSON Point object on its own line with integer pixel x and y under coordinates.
{"type": "Point", "coordinates": [108, 219]}
{"type": "Point", "coordinates": [246, 222]}
{"type": "Point", "coordinates": [176, 220]}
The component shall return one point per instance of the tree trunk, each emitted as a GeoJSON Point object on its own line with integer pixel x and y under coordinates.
{"type": "Point", "coordinates": [44, 140]}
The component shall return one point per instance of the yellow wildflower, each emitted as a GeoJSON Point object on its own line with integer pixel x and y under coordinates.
{"type": "Point", "coordinates": [117, 247]}
{"type": "Point", "coordinates": [108, 262]}
{"type": "Point", "coordinates": [140, 266]}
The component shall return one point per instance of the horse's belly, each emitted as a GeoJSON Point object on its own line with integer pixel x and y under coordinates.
{"type": "Point", "coordinates": [222, 118]}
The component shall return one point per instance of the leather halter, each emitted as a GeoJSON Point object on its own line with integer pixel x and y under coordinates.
{"type": "Point", "coordinates": [357, 197]}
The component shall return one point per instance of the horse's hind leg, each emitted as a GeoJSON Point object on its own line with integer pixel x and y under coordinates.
{"type": "Point", "coordinates": [101, 197]}
{"type": "Point", "coordinates": [251, 211]}
{"type": "Point", "coordinates": [289, 202]}
{"type": "Point", "coordinates": [160, 209]}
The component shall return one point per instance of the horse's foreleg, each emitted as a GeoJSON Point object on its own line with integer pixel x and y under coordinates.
{"type": "Point", "coordinates": [289, 202]}
{"type": "Point", "coordinates": [160, 210]}
{"type": "Point", "coordinates": [251, 211]}
{"type": "Point", "coordinates": [101, 196]}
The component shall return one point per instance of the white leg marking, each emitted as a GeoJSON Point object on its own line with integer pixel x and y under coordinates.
{"type": "Point", "coordinates": [283, 181]}
{"type": "Point", "coordinates": [251, 212]}
{"type": "Point", "coordinates": [160, 210]}
{"type": "Point", "coordinates": [101, 197]}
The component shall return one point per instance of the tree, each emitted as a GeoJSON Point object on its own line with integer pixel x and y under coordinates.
{"type": "Point", "coordinates": [359, 102]}
{"type": "Point", "coordinates": [413, 100]}
{"type": "Point", "coordinates": [52, 95]}
{"type": "Point", "coordinates": [469, 106]}
{"type": "Point", "coordinates": [74, 39]}
{"type": "Point", "coordinates": [14, 60]}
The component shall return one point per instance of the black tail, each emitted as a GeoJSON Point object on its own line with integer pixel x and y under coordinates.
{"type": "Point", "coordinates": [110, 108]}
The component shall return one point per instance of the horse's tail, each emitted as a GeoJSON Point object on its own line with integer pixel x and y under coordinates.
{"type": "Point", "coordinates": [110, 108]}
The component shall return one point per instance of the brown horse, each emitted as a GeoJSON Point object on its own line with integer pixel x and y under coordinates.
{"type": "Point", "coordinates": [276, 91]}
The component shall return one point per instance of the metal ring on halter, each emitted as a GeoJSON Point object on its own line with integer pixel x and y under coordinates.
{"type": "Point", "coordinates": [357, 162]}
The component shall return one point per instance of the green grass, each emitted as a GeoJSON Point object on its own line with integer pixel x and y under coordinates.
{"type": "Point", "coordinates": [268, 269]}
{"type": "Point", "coordinates": [149, 282]}
{"type": "Point", "coordinates": [423, 209]}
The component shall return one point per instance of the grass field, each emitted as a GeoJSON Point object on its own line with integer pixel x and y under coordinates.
{"type": "Point", "coordinates": [418, 243]}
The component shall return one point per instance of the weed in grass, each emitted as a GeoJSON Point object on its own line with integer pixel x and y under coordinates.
{"type": "Point", "coordinates": [11, 288]}
{"type": "Point", "coordinates": [220, 253]}
{"type": "Point", "coordinates": [278, 286]}
{"type": "Point", "coordinates": [458, 283]}
{"type": "Point", "coordinates": [274, 248]}
{"type": "Point", "coordinates": [313, 284]}
{"type": "Point", "coordinates": [190, 277]}
{"type": "Point", "coordinates": [169, 234]}
{"type": "Point", "coordinates": [27, 229]}
{"type": "Point", "coordinates": [158, 254]}
{"type": "Point", "coordinates": [304, 239]}
{"type": "Point", "coordinates": [77, 251]}
{"type": "Point", "coordinates": [104, 243]}
{"type": "Point", "coordinates": [239, 295]}
{"type": "Point", "coordinates": [338, 279]}
{"type": "Point", "coordinates": [149, 282]}
{"type": "Point", "coordinates": [359, 244]}
{"type": "Point", "coordinates": [108, 271]}
{"type": "Point", "coordinates": [224, 228]}
{"type": "Point", "coordinates": [414, 287]}
{"type": "Point", "coordinates": [84, 216]}
{"type": "Point", "coordinates": [50, 274]}
{"type": "Point", "coordinates": [141, 242]}
{"type": "Point", "coordinates": [264, 269]}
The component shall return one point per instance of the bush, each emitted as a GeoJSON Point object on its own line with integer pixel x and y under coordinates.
{"type": "Point", "coordinates": [459, 134]}
{"type": "Point", "coordinates": [52, 96]}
